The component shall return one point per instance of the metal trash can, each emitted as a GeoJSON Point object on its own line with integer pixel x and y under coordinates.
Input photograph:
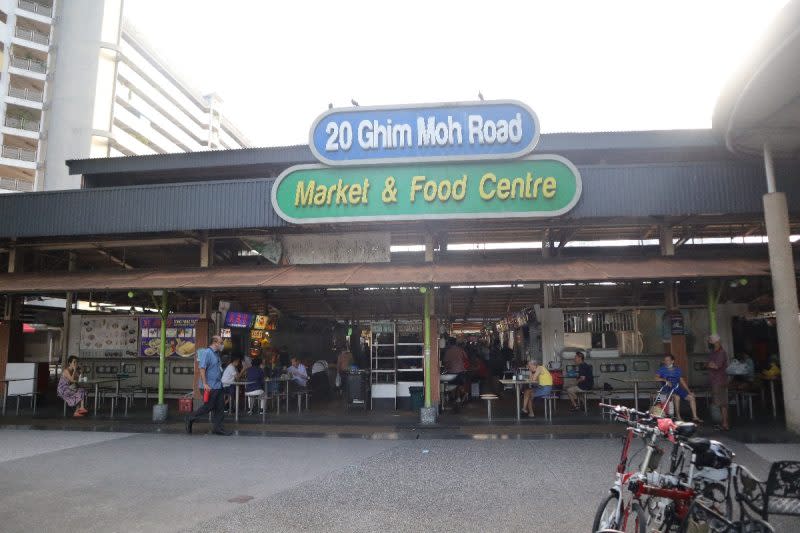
{"type": "Point", "coordinates": [357, 389]}
{"type": "Point", "coordinates": [417, 397]}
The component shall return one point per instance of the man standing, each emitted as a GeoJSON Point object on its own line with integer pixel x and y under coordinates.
{"type": "Point", "coordinates": [584, 383]}
{"type": "Point", "coordinates": [718, 376]}
{"type": "Point", "coordinates": [211, 376]}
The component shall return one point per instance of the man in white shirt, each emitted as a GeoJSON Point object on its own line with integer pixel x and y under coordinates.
{"type": "Point", "coordinates": [297, 371]}
{"type": "Point", "coordinates": [233, 372]}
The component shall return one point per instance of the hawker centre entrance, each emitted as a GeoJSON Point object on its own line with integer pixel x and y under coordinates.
{"type": "Point", "coordinates": [652, 241]}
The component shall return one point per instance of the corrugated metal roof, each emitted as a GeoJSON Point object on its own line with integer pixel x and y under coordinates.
{"type": "Point", "coordinates": [386, 274]}
{"type": "Point", "coordinates": [292, 155]}
{"type": "Point", "coordinates": [727, 188]}
{"type": "Point", "coordinates": [142, 209]}
{"type": "Point", "coordinates": [288, 155]}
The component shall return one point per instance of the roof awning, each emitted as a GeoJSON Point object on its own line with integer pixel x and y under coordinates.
{"type": "Point", "coordinates": [386, 274]}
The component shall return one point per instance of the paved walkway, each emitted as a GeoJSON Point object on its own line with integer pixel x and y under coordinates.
{"type": "Point", "coordinates": [81, 481]}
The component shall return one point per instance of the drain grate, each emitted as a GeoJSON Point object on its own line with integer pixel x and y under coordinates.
{"type": "Point", "coordinates": [240, 499]}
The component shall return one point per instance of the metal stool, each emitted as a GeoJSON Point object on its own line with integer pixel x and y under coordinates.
{"type": "Point", "coordinates": [550, 404]}
{"type": "Point", "coordinates": [489, 399]}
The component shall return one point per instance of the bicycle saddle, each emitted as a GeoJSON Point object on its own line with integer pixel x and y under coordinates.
{"type": "Point", "coordinates": [684, 429]}
{"type": "Point", "coordinates": [699, 444]}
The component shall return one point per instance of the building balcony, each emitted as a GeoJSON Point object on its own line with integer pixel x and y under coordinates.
{"type": "Point", "coordinates": [31, 65]}
{"type": "Point", "coordinates": [19, 154]}
{"type": "Point", "coordinates": [35, 7]}
{"type": "Point", "coordinates": [32, 35]}
{"type": "Point", "coordinates": [17, 185]}
{"type": "Point", "coordinates": [22, 124]}
{"type": "Point", "coordinates": [26, 94]}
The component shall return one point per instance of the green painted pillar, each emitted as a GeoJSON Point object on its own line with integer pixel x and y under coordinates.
{"type": "Point", "coordinates": [713, 295]}
{"type": "Point", "coordinates": [427, 349]}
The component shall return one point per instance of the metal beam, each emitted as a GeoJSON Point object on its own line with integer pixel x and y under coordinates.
{"type": "Point", "coordinates": [115, 259]}
{"type": "Point", "coordinates": [91, 245]}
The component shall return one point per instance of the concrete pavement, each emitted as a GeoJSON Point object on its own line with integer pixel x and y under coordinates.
{"type": "Point", "coordinates": [80, 481]}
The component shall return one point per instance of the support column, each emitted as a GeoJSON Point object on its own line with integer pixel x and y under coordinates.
{"type": "Point", "coordinates": [784, 290]}
{"type": "Point", "coordinates": [70, 296]}
{"type": "Point", "coordinates": [428, 412]}
{"type": "Point", "coordinates": [665, 240]}
{"type": "Point", "coordinates": [203, 330]}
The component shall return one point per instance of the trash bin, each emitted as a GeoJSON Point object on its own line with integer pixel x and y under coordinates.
{"type": "Point", "coordinates": [417, 397]}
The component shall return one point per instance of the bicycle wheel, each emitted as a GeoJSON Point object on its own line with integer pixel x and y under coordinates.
{"type": "Point", "coordinates": [629, 517]}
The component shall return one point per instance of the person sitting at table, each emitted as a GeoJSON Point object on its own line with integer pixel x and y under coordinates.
{"type": "Point", "coordinates": [68, 387]}
{"type": "Point", "coordinates": [233, 372]}
{"type": "Point", "coordinates": [254, 376]}
{"type": "Point", "coordinates": [541, 384]}
{"type": "Point", "coordinates": [585, 381]}
{"type": "Point", "coordinates": [672, 376]}
{"type": "Point", "coordinates": [455, 359]}
{"type": "Point", "coordinates": [297, 371]}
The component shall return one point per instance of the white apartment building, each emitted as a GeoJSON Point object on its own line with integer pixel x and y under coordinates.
{"type": "Point", "coordinates": [77, 81]}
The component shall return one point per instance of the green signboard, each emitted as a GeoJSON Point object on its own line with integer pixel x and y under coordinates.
{"type": "Point", "coordinates": [537, 186]}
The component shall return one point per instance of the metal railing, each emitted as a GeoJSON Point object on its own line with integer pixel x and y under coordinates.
{"type": "Point", "coordinates": [29, 64]}
{"type": "Point", "coordinates": [11, 152]}
{"type": "Point", "coordinates": [32, 35]}
{"type": "Point", "coordinates": [22, 123]}
{"type": "Point", "coordinates": [11, 184]}
{"type": "Point", "coordinates": [26, 94]}
{"type": "Point", "coordinates": [35, 7]}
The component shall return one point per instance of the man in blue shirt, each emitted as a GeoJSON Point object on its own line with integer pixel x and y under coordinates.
{"type": "Point", "coordinates": [211, 382]}
{"type": "Point", "coordinates": [672, 375]}
{"type": "Point", "coordinates": [585, 381]}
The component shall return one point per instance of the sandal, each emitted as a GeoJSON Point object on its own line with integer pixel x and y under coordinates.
{"type": "Point", "coordinates": [82, 410]}
{"type": "Point", "coordinates": [78, 414]}
{"type": "Point", "coordinates": [697, 420]}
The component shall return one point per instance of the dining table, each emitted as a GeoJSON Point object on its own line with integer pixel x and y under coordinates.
{"type": "Point", "coordinates": [96, 384]}
{"type": "Point", "coordinates": [7, 381]}
{"type": "Point", "coordinates": [517, 383]}
{"type": "Point", "coordinates": [238, 384]}
{"type": "Point", "coordinates": [285, 379]}
{"type": "Point", "coordinates": [771, 382]}
{"type": "Point", "coordinates": [635, 382]}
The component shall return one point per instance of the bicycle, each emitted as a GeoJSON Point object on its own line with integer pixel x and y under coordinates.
{"type": "Point", "coordinates": [662, 500]}
{"type": "Point", "coordinates": [615, 512]}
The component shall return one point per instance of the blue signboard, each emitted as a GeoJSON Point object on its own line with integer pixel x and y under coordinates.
{"type": "Point", "coordinates": [497, 129]}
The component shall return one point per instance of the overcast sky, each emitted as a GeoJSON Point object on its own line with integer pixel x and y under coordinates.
{"type": "Point", "coordinates": [581, 65]}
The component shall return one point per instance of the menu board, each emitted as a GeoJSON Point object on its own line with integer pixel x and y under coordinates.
{"type": "Point", "coordinates": [180, 336]}
{"type": "Point", "coordinates": [235, 319]}
{"type": "Point", "coordinates": [110, 336]}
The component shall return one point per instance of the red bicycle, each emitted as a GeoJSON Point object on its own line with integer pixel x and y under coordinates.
{"type": "Point", "coordinates": [646, 499]}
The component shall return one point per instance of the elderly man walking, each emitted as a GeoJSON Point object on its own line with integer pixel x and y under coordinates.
{"type": "Point", "coordinates": [211, 376]}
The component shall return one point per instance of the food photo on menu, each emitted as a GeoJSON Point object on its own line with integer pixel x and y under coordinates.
{"type": "Point", "coordinates": [180, 333]}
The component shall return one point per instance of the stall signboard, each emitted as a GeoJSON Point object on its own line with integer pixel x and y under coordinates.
{"type": "Point", "coordinates": [181, 337]}
{"type": "Point", "coordinates": [108, 336]}
{"type": "Point", "coordinates": [234, 319]}
{"type": "Point", "coordinates": [459, 131]}
{"type": "Point", "coordinates": [536, 186]}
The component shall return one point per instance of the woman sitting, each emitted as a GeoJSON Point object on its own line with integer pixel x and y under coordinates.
{"type": "Point", "coordinates": [68, 387]}
{"type": "Point", "coordinates": [541, 385]}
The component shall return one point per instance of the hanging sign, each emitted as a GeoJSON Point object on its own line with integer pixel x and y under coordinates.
{"type": "Point", "coordinates": [497, 129]}
{"type": "Point", "coordinates": [537, 186]}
